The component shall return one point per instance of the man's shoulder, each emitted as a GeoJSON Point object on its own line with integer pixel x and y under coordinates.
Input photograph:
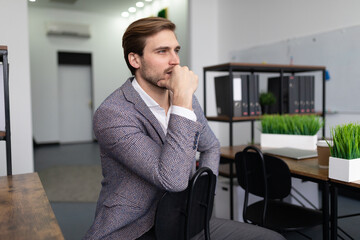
{"type": "Point", "coordinates": [116, 100]}
{"type": "Point", "coordinates": [117, 96]}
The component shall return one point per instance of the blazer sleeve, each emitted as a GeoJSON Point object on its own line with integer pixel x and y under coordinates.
{"type": "Point", "coordinates": [209, 145]}
{"type": "Point", "coordinates": [123, 136]}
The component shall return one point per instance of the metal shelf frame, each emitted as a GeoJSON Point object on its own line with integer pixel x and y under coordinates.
{"type": "Point", "coordinates": [6, 136]}
{"type": "Point", "coordinates": [258, 68]}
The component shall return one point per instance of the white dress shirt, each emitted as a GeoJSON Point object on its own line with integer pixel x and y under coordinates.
{"type": "Point", "coordinates": [159, 112]}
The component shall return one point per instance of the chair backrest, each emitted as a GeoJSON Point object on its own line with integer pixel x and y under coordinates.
{"type": "Point", "coordinates": [265, 176]}
{"type": "Point", "coordinates": [260, 173]}
{"type": "Point", "coordinates": [182, 215]}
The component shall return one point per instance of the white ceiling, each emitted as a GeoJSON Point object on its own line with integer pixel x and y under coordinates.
{"type": "Point", "coordinates": [107, 7]}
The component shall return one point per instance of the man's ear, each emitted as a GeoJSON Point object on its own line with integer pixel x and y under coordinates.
{"type": "Point", "coordinates": [134, 60]}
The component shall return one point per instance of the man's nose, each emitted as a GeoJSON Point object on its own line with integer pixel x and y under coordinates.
{"type": "Point", "coordinates": [174, 59]}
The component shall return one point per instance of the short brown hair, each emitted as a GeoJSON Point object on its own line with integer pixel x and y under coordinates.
{"type": "Point", "coordinates": [135, 35]}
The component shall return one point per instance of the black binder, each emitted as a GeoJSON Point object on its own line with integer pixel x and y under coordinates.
{"type": "Point", "coordinates": [312, 94]}
{"type": "Point", "coordinates": [252, 96]}
{"type": "Point", "coordinates": [274, 87]}
{"type": "Point", "coordinates": [302, 92]}
{"type": "Point", "coordinates": [293, 94]}
{"type": "Point", "coordinates": [223, 100]}
{"type": "Point", "coordinates": [290, 97]}
{"type": "Point", "coordinates": [307, 93]}
{"type": "Point", "coordinates": [256, 93]}
{"type": "Point", "coordinates": [244, 95]}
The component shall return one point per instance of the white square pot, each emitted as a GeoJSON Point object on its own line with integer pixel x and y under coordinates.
{"type": "Point", "coordinates": [347, 170]}
{"type": "Point", "coordinates": [285, 140]}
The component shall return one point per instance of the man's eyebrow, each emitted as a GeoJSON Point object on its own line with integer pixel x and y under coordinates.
{"type": "Point", "coordinates": [166, 48]}
{"type": "Point", "coordinates": [162, 48]}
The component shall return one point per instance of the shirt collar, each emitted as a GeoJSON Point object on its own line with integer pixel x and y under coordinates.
{"type": "Point", "coordinates": [147, 99]}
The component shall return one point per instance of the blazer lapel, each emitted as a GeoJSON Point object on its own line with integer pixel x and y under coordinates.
{"type": "Point", "coordinates": [132, 96]}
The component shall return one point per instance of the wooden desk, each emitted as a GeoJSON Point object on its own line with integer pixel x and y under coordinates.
{"type": "Point", "coordinates": [25, 211]}
{"type": "Point", "coordinates": [304, 168]}
{"type": "Point", "coordinates": [307, 169]}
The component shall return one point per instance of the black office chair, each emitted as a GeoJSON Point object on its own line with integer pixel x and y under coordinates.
{"type": "Point", "coordinates": [269, 177]}
{"type": "Point", "coordinates": [186, 215]}
{"type": "Point", "coordinates": [181, 215]}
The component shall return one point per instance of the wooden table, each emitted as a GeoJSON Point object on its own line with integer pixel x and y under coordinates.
{"type": "Point", "coordinates": [306, 169]}
{"type": "Point", "coordinates": [25, 211]}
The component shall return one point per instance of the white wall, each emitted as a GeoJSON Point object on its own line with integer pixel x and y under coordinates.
{"type": "Point", "coordinates": [241, 24]}
{"type": "Point", "coordinates": [250, 23]}
{"type": "Point", "coordinates": [204, 44]}
{"type": "Point", "coordinates": [109, 68]}
{"type": "Point", "coordinates": [14, 34]}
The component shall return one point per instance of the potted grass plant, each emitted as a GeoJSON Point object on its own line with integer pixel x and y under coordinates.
{"type": "Point", "coordinates": [266, 100]}
{"type": "Point", "coordinates": [295, 131]}
{"type": "Point", "coordinates": [344, 162]}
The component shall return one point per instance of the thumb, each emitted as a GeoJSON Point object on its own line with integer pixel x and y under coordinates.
{"type": "Point", "coordinates": [161, 83]}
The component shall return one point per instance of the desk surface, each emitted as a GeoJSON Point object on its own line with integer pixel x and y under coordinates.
{"type": "Point", "coordinates": [305, 167]}
{"type": "Point", "coordinates": [355, 184]}
{"type": "Point", "coordinates": [25, 211]}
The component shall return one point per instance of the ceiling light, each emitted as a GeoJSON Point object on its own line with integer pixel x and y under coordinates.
{"type": "Point", "coordinates": [132, 9]}
{"type": "Point", "coordinates": [140, 4]}
{"type": "Point", "coordinates": [125, 14]}
{"type": "Point", "coordinates": [32, 0]}
{"type": "Point", "coordinates": [148, 0]}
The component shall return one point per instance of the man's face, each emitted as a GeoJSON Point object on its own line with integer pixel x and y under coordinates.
{"type": "Point", "coordinates": [160, 55]}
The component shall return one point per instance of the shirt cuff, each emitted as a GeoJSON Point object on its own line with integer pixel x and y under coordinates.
{"type": "Point", "coordinates": [184, 112]}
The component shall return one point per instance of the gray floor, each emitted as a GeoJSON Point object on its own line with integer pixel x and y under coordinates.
{"type": "Point", "coordinates": [75, 218]}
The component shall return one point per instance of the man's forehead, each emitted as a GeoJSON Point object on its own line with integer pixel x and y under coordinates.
{"type": "Point", "coordinates": [165, 38]}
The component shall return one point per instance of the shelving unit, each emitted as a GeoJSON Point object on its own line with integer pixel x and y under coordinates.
{"type": "Point", "coordinates": [253, 68]}
{"type": "Point", "coordinates": [259, 68]}
{"type": "Point", "coordinates": [5, 135]}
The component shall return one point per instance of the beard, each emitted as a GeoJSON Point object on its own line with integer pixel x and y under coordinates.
{"type": "Point", "coordinates": [150, 75]}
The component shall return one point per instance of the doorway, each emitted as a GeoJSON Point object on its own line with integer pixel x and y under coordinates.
{"type": "Point", "coordinates": [75, 97]}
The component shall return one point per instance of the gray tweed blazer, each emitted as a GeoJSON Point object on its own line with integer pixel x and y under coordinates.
{"type": "Point", "coordinates": [139, 162]}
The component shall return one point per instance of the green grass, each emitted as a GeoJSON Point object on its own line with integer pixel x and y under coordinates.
{"type": "Point", "coordinates": [291, 124]}
{"type": "Point", "coordinates": [346, 140]}
{"type": "Point", "coordinates": [267, 98]}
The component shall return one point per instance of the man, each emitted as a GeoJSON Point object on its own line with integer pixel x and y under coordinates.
{"type": "Point", "coordinates": [149, 131]}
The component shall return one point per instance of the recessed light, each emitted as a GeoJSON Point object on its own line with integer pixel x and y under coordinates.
{"type": "Point", "coordinates": [125, 14]}
{"type": "Point", "coordinates": [32, 0]}
{"type": "Point", "coordinates": [132, 9]}
{"type": "Point", "coordinates": [140, 4]}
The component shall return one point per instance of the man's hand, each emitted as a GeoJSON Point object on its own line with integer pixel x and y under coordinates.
{"type": "Point", "coordinates": [183, 83]}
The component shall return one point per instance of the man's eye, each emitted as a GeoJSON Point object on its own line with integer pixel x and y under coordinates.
{"type": "Point", "coordinates": [162, 51]}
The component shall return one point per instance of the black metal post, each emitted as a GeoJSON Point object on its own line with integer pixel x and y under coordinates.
{"type": "Point", "coordinates": [231, 192]}
{"type": "Point", "coordinates": [324, 100]}
{"type": "Point", "coordinates": [7, 111]}
{"type": "Point", "coordinates": [204, 90]}
{"type": "Point", "coordinates": [231, 77]}
{"type": "Point", "coordinates": [325, 210]}
{"type": "Point", "coordinates": [281, 91]}
{"type": "Point", "coordinates": [334, 211]}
